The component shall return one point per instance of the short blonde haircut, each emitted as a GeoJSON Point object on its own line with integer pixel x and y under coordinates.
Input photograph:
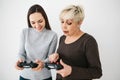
{"type": "Point", "coordinates": [73, 12]}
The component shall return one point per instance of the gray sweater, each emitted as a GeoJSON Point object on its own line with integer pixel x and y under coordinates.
{"type": "Point", "coordinates": [36, 45]}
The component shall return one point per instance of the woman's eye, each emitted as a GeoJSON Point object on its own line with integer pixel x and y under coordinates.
{"type": "Point", "coordinates": [62, 21]}
{"type": "Point", "coordinates": [32, 22]}
{"type": "Point", "coordinates": [40, 21]}
{"type": "Point", "coordinates": [69, 23]}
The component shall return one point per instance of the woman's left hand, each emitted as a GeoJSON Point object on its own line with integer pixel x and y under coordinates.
{"type": "Point", "coordinates": [66, 69]}
{"type": "Point", "coordinates": [40, 65]}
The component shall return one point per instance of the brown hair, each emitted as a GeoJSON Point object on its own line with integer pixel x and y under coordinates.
{"type": "Point", "coordinates": [39, 9]}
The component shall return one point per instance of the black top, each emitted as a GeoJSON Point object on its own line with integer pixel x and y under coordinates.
{"type": "Point", "coordinates": [83, 56]}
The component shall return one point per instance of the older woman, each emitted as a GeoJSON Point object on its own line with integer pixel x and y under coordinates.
{"type": "Point", "coordinates": [77, 51]}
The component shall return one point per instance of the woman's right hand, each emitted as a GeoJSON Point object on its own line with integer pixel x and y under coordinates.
{"type": "Point", "coordinates": [54, 57]}
{"type": "Point", "coordinates": [18, 62]}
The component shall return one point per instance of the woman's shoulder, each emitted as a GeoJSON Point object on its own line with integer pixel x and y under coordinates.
{"type": "Point", "coordinates": [62, 38]}
{"type": "Point", "coordinates": [88, 37]}
{"type": "Point", "coordinates": [51, 32]}
{"type": "Point", "coordinates": [25, 29]}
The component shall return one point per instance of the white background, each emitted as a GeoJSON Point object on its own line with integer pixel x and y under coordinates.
{"type": "Point", "coordinates": [102, 20]}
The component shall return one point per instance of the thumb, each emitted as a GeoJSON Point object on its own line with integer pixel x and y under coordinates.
{"type": "Point", "coordinates": [37, 61]}
{"type": "Point", "coordinates": [20, 60]}
{"type": "Point", "coordinates": [62, 63]}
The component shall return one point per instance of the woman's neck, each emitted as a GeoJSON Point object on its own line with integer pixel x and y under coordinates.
{"type": "Point", "coordinates": [77, 33]}
{"type": "Point", "coordinates": [74, 37]}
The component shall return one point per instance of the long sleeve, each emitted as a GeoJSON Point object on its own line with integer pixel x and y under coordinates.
{"type": "Point", "coordinates": [93, 70]}
{"type": "Point", "coordinates": [83, 56]}
{"type": "Point", "coordinates": [36, 45]}
{"type": "Point", "coordinates": [22, 52]}
{"type": "Point", "coordinates": [52, 47]}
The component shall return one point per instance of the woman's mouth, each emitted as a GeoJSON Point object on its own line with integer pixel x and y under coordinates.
{"type": "Point", "coordinates": [66, 32]}
{"type": "Point", "coordinates": [39, 28]}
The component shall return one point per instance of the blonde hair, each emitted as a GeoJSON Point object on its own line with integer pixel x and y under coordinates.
{"type": "Point", "coordinates": [73, 12]}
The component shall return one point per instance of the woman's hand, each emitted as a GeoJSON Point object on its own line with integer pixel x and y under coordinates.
{"type": "Point", "coordinates": [54, 57]}
{"type": "Point", "coordinates": [18, 62]}
{"type": "Point", "coordinates": [40, 65]}
{"type": "Point", "coordinates": [66, 69]}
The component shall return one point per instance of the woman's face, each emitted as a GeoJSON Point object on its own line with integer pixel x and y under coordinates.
{"type": "Point", "coordinates": [37, 21]}
{"type": "Point", "coordinates": [69, 26]}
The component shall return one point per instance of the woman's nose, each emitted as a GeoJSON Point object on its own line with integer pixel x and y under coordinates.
{"type": "Point", "coordinates": [64, 26]}
{"type": "Point", "coordinates": [37, 24]}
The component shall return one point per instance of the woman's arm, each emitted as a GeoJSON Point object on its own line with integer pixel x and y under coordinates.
{"type": "Point", "coordinates": [52, 47]}
{"type": "Point", "coordinates": [94, 65]}
{"type": "Point", "coordinates": [22, 52]}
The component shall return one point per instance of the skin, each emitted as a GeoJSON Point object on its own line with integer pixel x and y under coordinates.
{"type": "Point", "coordinates": [71, 30]}
{"type": "Point", "coordinates": [37, 21]}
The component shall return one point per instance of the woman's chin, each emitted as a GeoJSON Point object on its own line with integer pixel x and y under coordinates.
{"type": "Point", "coordinates": [40, 29]}
{"type": "Point", "coordinates": [65, 34]}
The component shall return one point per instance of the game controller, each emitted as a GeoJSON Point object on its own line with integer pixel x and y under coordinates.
{"type": "Point", "coordinates": [27, 65]}
{"type": "Point", "coordinates": [53, 66]}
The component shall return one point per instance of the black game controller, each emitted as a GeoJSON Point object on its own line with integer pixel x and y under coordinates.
{"type": "Point", "coordinates": [27, 65]}
{"type": "Point", "coordinates": [53, 66]}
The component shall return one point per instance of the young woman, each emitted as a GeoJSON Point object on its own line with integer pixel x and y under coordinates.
{"type": "Point", "coordinates": [77, 51]}
{"type": "Point", "coordinates": [37, 42]}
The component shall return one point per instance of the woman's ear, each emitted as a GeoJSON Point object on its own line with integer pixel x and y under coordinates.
{"type": "Point", "coordinates": [80, 22]}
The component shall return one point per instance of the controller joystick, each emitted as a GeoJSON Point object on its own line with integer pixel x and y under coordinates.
{"type": "Point", "coordinates": [33, 65]}
{"type": "Point", "coordinates": [53, 66]}
{"type": "Point", "coordinates": [27, 65]}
